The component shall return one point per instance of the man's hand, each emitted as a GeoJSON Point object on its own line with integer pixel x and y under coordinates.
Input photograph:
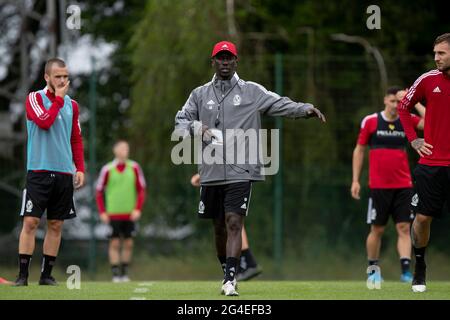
{"type": "Point", "coordinates": [135, 215]}
{"type": "Point", "coordinates": [104, 218]}
{"type": "Point", "coordinates": [195, 180]}
{"type": "Point", "coordinates": [207, 135]}
{"type": "Point", "coordinates": [314, 112]}
{"type": "Point", "coordinates": [79, 180]}
{"type": "Point", "coordinates": [355, 189]}
{"type": "Point", "coordinates": [422, 147]}
{"type": "Point", "coordinates": [61, 92]}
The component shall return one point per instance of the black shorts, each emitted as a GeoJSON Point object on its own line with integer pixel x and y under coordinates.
{"type": "Point", "coordinates": [51, 192]}
{"type": "Point", "coordinates": [215, 201]}
{"type": "Point", "coordinates": [432, 186]}
{"type": "Point", "coordinates": [122, 228]}
{"type": "Point", "coordinates": [386, 202]}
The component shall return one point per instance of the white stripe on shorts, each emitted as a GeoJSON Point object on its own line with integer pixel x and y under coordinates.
{"type": "Point", "coordinates": [369, 212]}
{"type": "Point", "coordinates": [249, 197]}
{"type": "Point", "coordinates": [24, 196]}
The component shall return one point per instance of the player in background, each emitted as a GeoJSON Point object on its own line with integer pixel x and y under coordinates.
{"type": "Point", "coordinates": [389, 179]}
{"type": "Point", "coordinates": [120, 196]}
{"type": "Point", "coordinates": [54, 145]}
{"type": "Point", "coordinates": [432, 173]}
{"type": "Point", "coordinates": [248, 267]}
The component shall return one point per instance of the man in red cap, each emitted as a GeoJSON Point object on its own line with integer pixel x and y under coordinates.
{"type": "Point", "coordinates": [222, 105]}
{"type": "Point", "coordinates": [224, 46]}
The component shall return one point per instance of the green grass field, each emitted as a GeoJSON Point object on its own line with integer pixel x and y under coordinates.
{"type": "Point", "coordinates": [206, 290]}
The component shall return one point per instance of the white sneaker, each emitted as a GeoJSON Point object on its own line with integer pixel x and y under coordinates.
{"type": "Point", "coordinates": [419, 288]}
{"type": "Point", "coordinates": [234, 283]}
{"type": "Point", "coordinates": [125, 279]}
{"type": "Point", "coordinates": [117, 279]}
{"type": "Point", "coordinates": [419, 284]}
{"type": "Point", "coordinates": [229, 288]}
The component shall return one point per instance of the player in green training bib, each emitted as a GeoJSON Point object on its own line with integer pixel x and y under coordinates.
{"type": "Point", "coordinates": [120, 197]}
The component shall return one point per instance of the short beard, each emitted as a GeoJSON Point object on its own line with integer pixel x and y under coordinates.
{"type": "Point", "coordinates": [445, 69]}
{"type": "Point", "coordinates": [51, 87]}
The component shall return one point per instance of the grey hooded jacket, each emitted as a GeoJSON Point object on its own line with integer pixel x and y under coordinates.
{"type": "Point", "coordinates": [232, 104]}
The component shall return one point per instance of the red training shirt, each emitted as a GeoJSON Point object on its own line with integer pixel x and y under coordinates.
{"type": "Point", "coordinates": [432, 88]}
{"type": "Point", "coordinates": [388, 160]}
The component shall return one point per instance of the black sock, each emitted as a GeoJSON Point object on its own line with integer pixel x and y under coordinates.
{"type": "Point", "coordinates": [247, 260]}
{"type": "Point", "coordinates": [24, 264]}
{"type": "Point", "coordinates": [223, 262]}
{"type": "Point", "coordinates": [405, 264]}
{"type": "Point", "coordinates": [115, 269]}
{"type": "Point", "coordinates": [373, 262]}
{"type": "Point", "coordinates": [47, 265]}
{"type": "Point", "coordinates": [231, 268]}
{"type": "Point", "coordinates": [419, 253]}
{"type": "Point", "coordinates": [124, 269]}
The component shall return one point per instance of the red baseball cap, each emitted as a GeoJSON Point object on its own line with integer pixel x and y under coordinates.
{"type": "Point", "coordinates": [224, 46]}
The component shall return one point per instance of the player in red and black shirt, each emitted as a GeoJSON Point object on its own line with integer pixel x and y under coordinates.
{"type": "Point", "coordinates": [389, 179]}
{"type": "Point", "coordinates": [432, 174]}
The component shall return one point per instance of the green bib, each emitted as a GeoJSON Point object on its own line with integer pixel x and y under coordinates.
{"type": "Point", "coordinates": [121, 190]}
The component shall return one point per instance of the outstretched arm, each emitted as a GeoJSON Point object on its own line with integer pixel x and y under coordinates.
{"type": "Point", "coordinates": [272, 104]}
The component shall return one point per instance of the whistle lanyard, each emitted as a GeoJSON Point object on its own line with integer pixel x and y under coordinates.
{"type": "Point", "coordinates": [217, 121]}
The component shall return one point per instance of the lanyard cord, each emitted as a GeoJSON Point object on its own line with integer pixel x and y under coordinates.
{"type": "Point", "coordinates": [230, 164]}
{"type": "Point", "coordinates": [226, 95]}
{"type": "Point", "coordinates": [217, 123]}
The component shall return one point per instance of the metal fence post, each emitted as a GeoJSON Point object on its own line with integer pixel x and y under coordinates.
{"type": "Point", "coordinates": [278, 179]}
{"type": "Point", "coordinates": [92, 163]}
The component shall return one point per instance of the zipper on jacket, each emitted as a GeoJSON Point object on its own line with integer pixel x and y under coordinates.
{"type": "Point", "coordinates": [224, 143]}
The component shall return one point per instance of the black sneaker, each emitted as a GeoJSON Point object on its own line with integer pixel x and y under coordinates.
{"type": "Point", "coordinates": [21, 281]}
{"type": "Point", "coordinates": [419, 283]}
{"type": "Point", "coordinates": [249, 273]}
{"type": "Point", "coordinates": [48, 281]}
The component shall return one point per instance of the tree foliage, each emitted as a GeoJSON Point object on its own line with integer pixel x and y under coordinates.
{"type": "Point", "coordinates": [171, 49]}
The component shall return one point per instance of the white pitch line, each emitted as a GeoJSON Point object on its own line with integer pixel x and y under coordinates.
{"type": "Point", "coordinates": [145, 284]}
{"type": "Point", "coordinates": [142, 289]}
